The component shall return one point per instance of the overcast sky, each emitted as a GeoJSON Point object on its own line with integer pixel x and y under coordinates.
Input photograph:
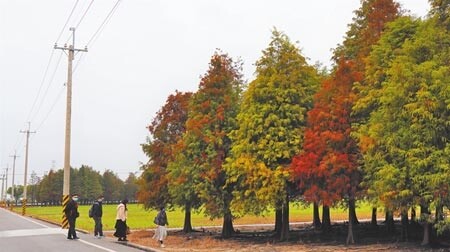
{"type": "Point", "coordinates": [147, 50]}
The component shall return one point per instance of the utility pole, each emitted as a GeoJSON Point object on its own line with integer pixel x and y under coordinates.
{"type": "Point", "coordinates": [24, 199]}
{"type": "Point", "coordinates": [66, 182]}
{"type": "Point", "coordinates": [6, 183]}
{"type": "Point", "coordinates": [13, 192]}
{"type": "Point", "coordinates": [3, 185]}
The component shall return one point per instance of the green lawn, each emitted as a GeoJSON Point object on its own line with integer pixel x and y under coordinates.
{"type": "Point", "coordinates": [138, 218]}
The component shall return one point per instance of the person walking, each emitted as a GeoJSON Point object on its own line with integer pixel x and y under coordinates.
{"type": "Point", "coordinates": [71, 212]}
{"type": "Point", "coordinates": [97, 212]}
{"type": "Point", "coordinates": [121, 221]}
{"type": "Point", "coordinates": [161, 230]}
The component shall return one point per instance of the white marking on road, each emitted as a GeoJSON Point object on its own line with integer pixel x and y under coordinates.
{"type": "Point", "coordinates": [41, 231]}
{"type": "Point", "coordinates": [97, 246]}
{"type": "Point", "coordinates": [35, 222]}
{"type": "Point", "coordinates": [30, 232]}
{"type": "Point", "coordinates": [27, 218]}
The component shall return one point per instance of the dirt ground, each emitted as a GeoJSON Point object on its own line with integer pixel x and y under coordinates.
{"type": "Point", "coordinates": [302, 238]}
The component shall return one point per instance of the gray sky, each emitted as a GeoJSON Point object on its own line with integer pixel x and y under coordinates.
{"type": "Point", "coordinates": [147, 50]}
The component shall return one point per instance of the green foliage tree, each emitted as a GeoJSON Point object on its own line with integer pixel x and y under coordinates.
{"type": "Point", "coordinates": [51, 186]}
{"type": "Point", "coordinates": [112, 186]}
{"type": "Point", "coordinates": [18, 190]}
{"type": "Point", "coordinates": [89, 183]}
{"type": "Point", "coordinates": [378, 64]}
{"type": "Point", "coordinates": [412, 126]}
{"type": "Point", "coordinates": [33, 187]}
{"type": "Point", "coordinates": [271, 122]}
{"type": "Point", "coordinates": [130, 187]}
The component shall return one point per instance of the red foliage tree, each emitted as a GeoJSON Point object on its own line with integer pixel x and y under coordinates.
{"type": "Point", "coordinates": [326, 170]}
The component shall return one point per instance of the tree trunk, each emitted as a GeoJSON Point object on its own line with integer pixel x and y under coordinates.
{"type": "Point", "coordinates": [404, 215]}
{"type": "Point", "coordinates": [439, 215]}
{"type": "Point", "coordinates": [352, 209]}
{"type": "Point", "coordinates": [426, 226]}
{"type": "Point", "coordinates": [413, 215]}
{"type": "Point", "coordinates": [390, 222]}
{"type": "Point", "coordinates": [426, 234]}
{"type": "Point", "coordinates": [187, 227]}
{"type": "Point", "coordinates": [278, 222]}
{"type": "Point", "coordinates": [374, 217]}
{"type": "Point", "coordinates": [326, 222]}
{"type": "Point", "coordinates": [351, 221]}
{"type": "Point", "coordinates": [285, 221]}
{"type": "Point", "coordinates": [227, 228]}
{"type": "Point", "coordinates": [316, 217]}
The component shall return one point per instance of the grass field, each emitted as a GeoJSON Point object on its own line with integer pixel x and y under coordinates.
{"type": "Point", "coordinates": [138, 218]}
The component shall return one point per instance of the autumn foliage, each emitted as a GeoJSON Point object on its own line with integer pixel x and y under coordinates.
{"type": "Point", "coordinates": [325, 169]}
{"type": "Point", "coordinates": [376, 128]}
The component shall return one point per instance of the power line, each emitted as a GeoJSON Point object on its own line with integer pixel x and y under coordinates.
{"type": "Point", "coordinates": [78, 62]}
{"type": "Point", "coordinates": [20, 137]}
{"type": "Point", "coordinates": [81, 19]}
{"type": "Point", "coordinates": [48, 87]}
{"type": "Point", "coordinates": [84, 14]}
{"type": "Point", "coordinates": [67, 21]}
{"type": "Point", "coordinates": [108, 17]}
{"type": "Point", "coordinates": [97, 32]}
{"type": "Point", "coordinates": [51, 108]}
{"type": "Point", "coordinates": [40, 87]}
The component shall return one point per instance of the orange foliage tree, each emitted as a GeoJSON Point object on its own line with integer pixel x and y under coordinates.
{"type": "Point", "coordinates": [166, 130]}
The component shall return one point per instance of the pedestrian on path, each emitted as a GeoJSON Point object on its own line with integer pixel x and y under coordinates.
{"type": "Point", "coordinates": [97, 212]}
{"type": "Point", "coordinates": [161, 230]}
{"type": "Point", "coordinates": [71, 212]}
{"type": "Point", "coordinates": [121, 221]}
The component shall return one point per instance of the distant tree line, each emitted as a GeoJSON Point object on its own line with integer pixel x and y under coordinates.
{"type": "Point", "coordinates": [85, 181]}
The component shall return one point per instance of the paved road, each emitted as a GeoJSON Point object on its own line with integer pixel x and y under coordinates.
{"type": "Point", "coordinates": [18, 233]}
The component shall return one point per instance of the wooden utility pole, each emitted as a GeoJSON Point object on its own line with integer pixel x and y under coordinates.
{"type": "Point", "coordinates": [3, 185]}
{"type": "Point", "coordinates": [24, 198]}
{"type": "Point", "coordinates": [66, 184]}
{"type": "Point", "coordinates": [13, 193]}
{"type": "Point", "coordinates": [6, 183]}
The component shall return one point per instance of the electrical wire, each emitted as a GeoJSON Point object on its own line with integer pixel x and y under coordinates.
{"type": "Point", "coordinates": [97, 32]}
{"type": "Point", "coordinates": [40, 87]}
{"type": "Point", "coordinates": [81, 19]}
{"type": "Point", "coordinates": [105, 21]}
{"type": "Point", "coordinates": [84, 14]}
{"type": "Point", "coordinates": [20, 137]}
{"type": "Point", "coordinates": [19, 141]}
{"type": "Point", "coordinates": [67, 21]}
{"type": "Point", "coordinates": [78, 62]}
{"type": "Point", "coordinates": [48, 87]}
{"type": "Point", "coordinates": [91, 40]}
{"type": "Point", "coordinates": [51, 108]}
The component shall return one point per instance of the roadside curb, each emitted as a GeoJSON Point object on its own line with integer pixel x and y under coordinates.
{"type": "Point", "coordinates": [140, 247]}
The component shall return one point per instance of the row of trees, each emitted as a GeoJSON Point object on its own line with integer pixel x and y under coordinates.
{"type": "Point", "coordinates": [85, 181]}
{"type": "Point", "coordinates": [375, 128]}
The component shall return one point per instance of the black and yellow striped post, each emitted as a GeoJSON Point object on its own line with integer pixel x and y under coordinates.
{"type": "Point", "coordinates": [24, 206]}
{"type": "Point", "coordinates": [65, 221]}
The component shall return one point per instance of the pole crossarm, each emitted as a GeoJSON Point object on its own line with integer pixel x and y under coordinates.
{"type": "Point", "coordinates": [72, 49]}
